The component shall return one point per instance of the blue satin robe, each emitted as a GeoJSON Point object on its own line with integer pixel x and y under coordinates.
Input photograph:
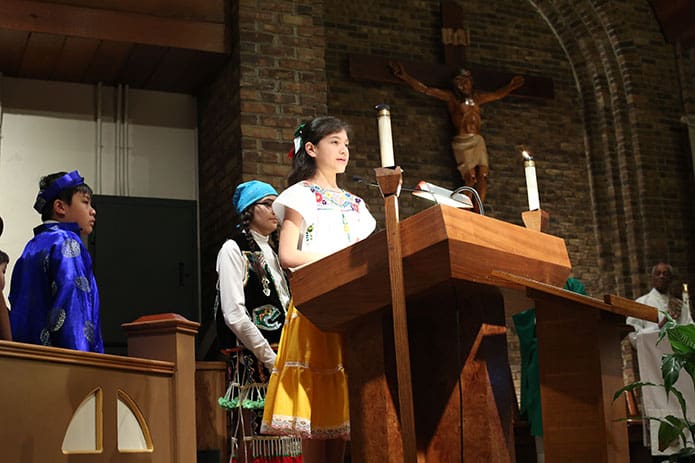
{"type": "Point", "coordinates": [53, 294]}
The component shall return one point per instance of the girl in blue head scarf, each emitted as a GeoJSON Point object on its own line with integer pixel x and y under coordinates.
{"type": "Point", "coordinates": [253, 296]}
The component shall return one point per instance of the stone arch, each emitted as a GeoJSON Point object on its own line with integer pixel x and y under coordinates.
{"type": "Point", "coordinates": [600, 53]}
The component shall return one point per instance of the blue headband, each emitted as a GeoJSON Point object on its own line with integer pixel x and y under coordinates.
{"type": "Point", "coordinates": [69, 180]}
{"type": "Point", "coordinates": [250, 192]}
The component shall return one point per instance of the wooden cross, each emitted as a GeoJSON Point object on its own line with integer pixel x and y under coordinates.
{"type": "Point", "coordinates": [455, 39]}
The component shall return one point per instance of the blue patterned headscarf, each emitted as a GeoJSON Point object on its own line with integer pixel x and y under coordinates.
{"type": "Point", "coordinates": [250, 192]}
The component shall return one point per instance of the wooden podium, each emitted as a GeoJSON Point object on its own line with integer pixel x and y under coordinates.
{"type": "Point", "coordinates": [580, 370]}
{"type": "Point", "coordinates": [463, 395]}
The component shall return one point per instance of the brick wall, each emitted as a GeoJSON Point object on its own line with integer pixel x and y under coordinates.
{"type": "Point", "coordinates": [614, 169]}
{"type": "Point", "coordinates": [274, 79]}
{"type": "Point", "coordinates": [219, 165]}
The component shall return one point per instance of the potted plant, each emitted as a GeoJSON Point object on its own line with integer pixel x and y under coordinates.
{"type": "Point", "coordinates": [673, 429]}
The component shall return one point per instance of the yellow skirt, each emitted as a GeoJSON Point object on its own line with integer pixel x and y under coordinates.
{"type": "Point", "coordinates": [307, 393]}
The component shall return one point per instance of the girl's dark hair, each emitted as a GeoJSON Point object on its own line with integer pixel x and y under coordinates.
{"type": "Point", "coordinates": [65, 195]}
{"type": "Point", "coordinates": [4, 258]}
{"type": "Point", "coordinates": [244, 227]}
{"type": "Point", "coordinates": [303, 165]}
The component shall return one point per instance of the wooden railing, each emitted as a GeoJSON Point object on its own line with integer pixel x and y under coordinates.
{"type": "Point", "coordinates": [56, 403]}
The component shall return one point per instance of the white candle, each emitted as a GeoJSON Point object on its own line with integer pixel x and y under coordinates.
{"type": "Point", "coordinates": [531, 182]}
{"type": "Point", "coordinates": [385, 140]}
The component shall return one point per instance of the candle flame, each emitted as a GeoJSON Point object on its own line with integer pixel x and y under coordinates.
{"type": "Point", "coordinates": [526, 155]}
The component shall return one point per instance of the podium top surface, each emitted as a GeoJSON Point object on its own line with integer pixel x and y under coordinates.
{"type": "Point", "coordinates": [610, 303]}
{"type": "Point", "coordinates": [438, 245]}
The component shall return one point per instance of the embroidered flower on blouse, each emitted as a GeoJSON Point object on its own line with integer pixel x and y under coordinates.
{"type": "Point", "coordinates": [309, 233]}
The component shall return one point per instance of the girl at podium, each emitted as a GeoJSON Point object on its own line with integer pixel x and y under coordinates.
{"type": "Point", "coordinates": [307, 394]}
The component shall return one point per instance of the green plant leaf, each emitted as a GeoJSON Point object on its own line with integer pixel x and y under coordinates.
{"type": "Point", "coordinates": [690, 366]}
{"type": "Point", "coordinates": [681, 400]}
{"type": "Point", "coordinates": [670, 429]}
{"type": "Point", "coordinates": [671, 365]}
{"type": "Point", "coordinates": [668, 325]}
{"type": "Point", "coordinates": [632, 386]}
{"type": "Point", "coordinates": [682, 338]}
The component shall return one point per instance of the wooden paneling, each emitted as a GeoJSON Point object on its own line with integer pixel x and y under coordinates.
{"type": "Point", "coordinates": [12, 45]}
{"type": "Point", "coordinates": [108, 61]}
{"type": "Point", "coordinates": [208, 10]}
{"type": "Point", "coordinates": [211, 419]}
{"type": "Point", "coordinates": [142, 63]}
{"type": "Point", "coordinates": [41, 55]}
{"type": "Point", "coordinates": [181, 69]}
{"type": "Point", "coordinates": [75, 58]}
{"type": "Point", "coordinates": [580, 370]}
{"type": "Point", "coordinates": [53, 18]}
{"type": "Point", "coordinates": [169, 45]}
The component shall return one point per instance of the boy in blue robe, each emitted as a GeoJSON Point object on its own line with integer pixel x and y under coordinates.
{"type": "Point", "coordinates": [53, 293]}
{"type": "Point", "coordinates": [5, 333]}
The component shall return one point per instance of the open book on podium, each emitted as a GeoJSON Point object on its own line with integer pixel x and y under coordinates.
{"type": "Point", "coordinates": [441, 195]}
{"type": "Point", "coordinates": [456, 330]}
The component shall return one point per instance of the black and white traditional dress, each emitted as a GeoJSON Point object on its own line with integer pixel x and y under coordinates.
{"type": "Point", "coordinates": [253, 300]}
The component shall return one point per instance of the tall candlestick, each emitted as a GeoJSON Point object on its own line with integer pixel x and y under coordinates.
{"type": "Point", "coordinates": [383, 113]}
{"type": "Point", "coordinates": [686, 297]}
{"type": "Point", "coordinates": [531, 182]}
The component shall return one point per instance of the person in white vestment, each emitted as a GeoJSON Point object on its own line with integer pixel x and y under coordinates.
{"type": "Point", "coordinates": [655, 403]}
{"type": "Point", "coordinates": [660, 298]}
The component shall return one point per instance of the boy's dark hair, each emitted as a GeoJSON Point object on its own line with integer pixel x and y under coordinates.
{"type": "Point", "coordinates": [303, 165]}
{"type": "Point", "coordinates": [65, 194]}
{"type": "Point", "coordinates": [4, 258]}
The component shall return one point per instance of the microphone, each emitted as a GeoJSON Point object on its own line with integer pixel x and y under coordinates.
{"type": "Point", "coordinates": [358, 179]}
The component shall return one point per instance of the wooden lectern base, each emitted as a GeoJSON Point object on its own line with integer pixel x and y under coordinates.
{"type": "Point", "coordinates": [461, 384]}
{"type": "Point", "coordinates": [462, 390]}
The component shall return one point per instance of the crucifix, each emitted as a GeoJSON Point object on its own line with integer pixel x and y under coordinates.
{"type": "Point", "coordinates": [462, 100]}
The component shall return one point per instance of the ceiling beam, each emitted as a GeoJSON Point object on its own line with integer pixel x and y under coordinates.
{"type": "Point", "coordinates": [76, 21]}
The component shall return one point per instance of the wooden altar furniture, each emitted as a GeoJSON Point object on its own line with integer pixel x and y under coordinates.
{"type": "Point", "coordinates": [212, 435]}
{"type": "Point", "coordinates": [580, 370]}
{"type": "Point", "coordinates": [456, 330]}
{"type": "Point", "coordinates": [61, 405]}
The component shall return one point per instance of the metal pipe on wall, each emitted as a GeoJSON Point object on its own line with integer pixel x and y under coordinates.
{"type": "Point", "coordinates": [99, 146]}
{"type": "Point", "coordinates": [126, 145]}
{"type": "Point", "coordinates": [2, 114]}
{"type": "Point", "coordinates": [117, 141]}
